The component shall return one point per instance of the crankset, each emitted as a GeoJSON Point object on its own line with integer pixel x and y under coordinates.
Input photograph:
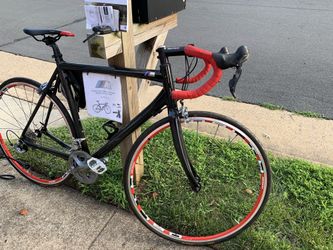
{"type": "Point", "coordinates": [85, 168]}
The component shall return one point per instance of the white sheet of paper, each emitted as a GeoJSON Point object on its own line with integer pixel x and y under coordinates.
{"type": "Point", "coordinates": [103, 96]}
{"type": "Point", "coordinates": [92, 16]}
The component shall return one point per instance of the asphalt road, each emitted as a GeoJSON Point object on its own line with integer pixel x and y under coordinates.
{"type": "Point", "coordinates": [290, 42]}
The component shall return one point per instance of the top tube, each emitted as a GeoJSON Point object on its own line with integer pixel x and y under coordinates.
{"type": "Point", "coordinates": [153, 75]}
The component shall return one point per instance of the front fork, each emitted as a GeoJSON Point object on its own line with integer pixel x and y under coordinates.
{"type": "Point", "coordinates": [175, 122]}
{"type": "Point", "coordinates": [178, 141]}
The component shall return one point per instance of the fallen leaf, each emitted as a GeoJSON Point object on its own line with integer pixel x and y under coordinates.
{"type": "Point", "coordinates": [155, 195]}
{"type": "Point", "coordinates": [249, 191]}
{"type": "Point", "coordinates": [24, 212]}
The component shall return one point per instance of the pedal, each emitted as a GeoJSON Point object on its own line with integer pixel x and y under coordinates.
{"type": "Point", "coordinates": [96, 166]}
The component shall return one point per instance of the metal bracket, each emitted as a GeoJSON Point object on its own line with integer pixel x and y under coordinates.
{"type": "Point", "coordinates": [183, 111]}
{"type": "Point", "coordinates": [77, 143]}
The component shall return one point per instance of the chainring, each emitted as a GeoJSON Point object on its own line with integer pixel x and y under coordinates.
{"type": "Point", "coordinates": [79, 168]}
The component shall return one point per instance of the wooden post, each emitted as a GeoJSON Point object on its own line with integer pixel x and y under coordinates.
{"type": "Point", "coordinates": [119, 49]}
{"type": "Point", "coordinates": [147, 57]}
{"type": "Point", "coordinates": [129, 88]}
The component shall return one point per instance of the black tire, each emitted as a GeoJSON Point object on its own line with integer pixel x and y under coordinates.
{"type": "Point", "coordinates": [233, 192]}
{"type": "Point", "coordinates": [18, 97]}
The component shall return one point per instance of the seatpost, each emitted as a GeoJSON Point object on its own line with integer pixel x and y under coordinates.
{"type": "Point", "coordinates": [56, 52]}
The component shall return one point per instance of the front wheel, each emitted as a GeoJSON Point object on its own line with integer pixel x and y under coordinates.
{"type": "Point", "coordinates": [107, 109]}
{"type": "Point", "coordinates": [233, 169]}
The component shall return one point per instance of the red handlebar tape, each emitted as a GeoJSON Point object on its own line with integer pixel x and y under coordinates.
{"type": "Point", "coordinates": [207, 56]}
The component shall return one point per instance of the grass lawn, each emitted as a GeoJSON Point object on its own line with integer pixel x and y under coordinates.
{"type": "Point", "coordinates": [299, 213]}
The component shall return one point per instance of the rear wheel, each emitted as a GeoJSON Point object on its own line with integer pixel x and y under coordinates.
{"type": "Point", "coordinates": [234, 172]}
{"type": "Point", "coordinates": [18, 99]}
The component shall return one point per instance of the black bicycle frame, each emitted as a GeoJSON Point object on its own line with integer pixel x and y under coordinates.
{"type": "Point", "coordinates": [161, 101]}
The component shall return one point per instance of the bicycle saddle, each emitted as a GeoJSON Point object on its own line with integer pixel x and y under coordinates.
{"type": "Point", "coordinates": [224, 60]}
{"type": "Point", "coordinates": [44, 32]}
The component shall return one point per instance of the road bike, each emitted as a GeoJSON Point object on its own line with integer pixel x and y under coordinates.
{"type": "Point", "coordinates": [206, 177]}
{"type": "Point", "coordinates": [98, 107]}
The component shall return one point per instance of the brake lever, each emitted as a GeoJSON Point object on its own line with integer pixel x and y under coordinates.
{"type": "Point", "coordinates": [233, 82]}
{"type": "Point", "coordinates": [89, 37]}
{"type": "Point", "coordinates": [99, 30]}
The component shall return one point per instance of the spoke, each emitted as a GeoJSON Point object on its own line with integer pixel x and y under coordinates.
{"type": "Point", "coordinates": [4, 128]}
{"type": "Point", "coordinates": [6, 94]}
{"type": "Point", "coordinates": [16, 97]}
{"type": "Point", "coordinates": [55, 121]}
{"type": "Point", "coordinates": [10, 124]}
{"type": "Point", "coordinates": [234, 138]}
{"type": "Point", "coordinates": [26, 95]}
{"type": "Point", "coordinates": [33, 95]}
{"type": "Point", "coordinates": [11, 114]}
{"type": "Point", "coordinates": [20, 105]}
{"type": "Point", "coordinates": [218, 126]}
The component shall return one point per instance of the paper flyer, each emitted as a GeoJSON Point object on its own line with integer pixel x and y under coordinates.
{"type": "Point", "coordinates": [103, 96]}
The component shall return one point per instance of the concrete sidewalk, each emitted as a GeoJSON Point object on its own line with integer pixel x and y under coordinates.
{"type": "Point", "coordinates": [62, 218]}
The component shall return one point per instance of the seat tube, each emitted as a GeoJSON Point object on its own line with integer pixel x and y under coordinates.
{"type": "Point", "coordinates": [79, 133]}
